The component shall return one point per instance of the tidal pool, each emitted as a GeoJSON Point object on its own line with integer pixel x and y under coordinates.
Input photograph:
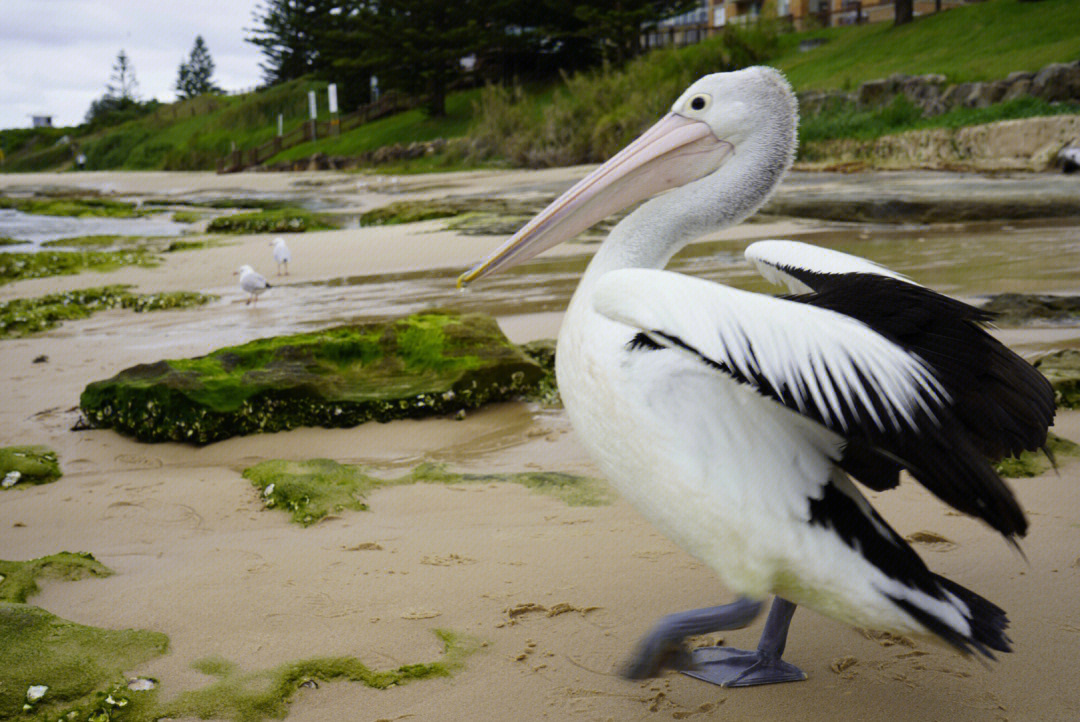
{"type": "Point", "coordinates": [35, 228]}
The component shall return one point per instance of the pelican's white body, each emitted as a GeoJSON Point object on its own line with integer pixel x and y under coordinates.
{"type": "Point", "coordinates": [722, 471]}
{"type": "Point", "coordinates": [281, 254]}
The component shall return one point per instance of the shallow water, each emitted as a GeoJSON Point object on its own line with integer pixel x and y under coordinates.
{"type": "Point", "coordinates": [35, 228]}
{"type": "Point", "coordinates": [964, 260]}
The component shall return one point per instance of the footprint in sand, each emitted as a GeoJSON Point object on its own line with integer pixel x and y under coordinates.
{"type": "Point", "coordinates": [143, 462]}
{"type": "Point", "coordinates": [165, 513]}
{"type": "Point", "coordinates": [931, 540]}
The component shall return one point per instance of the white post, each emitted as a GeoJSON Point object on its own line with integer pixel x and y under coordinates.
{"type": "Point", "coordinates": [312, 110]}
{"type": "Point", "coordinates": [280, 125]}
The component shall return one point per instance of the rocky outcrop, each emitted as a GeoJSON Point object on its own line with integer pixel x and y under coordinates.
{"type": "Point", "coordinates": [1057, 82]}
{"type": "Point", "coordinates": [1030, 144]}
{"type": "Point", "coordinates": [422, 365]}
{"type": "Point", "coordinates": [1014, 309]}
{"type": "Point", "coordinates": [1062, 368]}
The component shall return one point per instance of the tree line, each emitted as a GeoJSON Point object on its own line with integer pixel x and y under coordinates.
{"type": "Point", "coordinates": [426, 48]}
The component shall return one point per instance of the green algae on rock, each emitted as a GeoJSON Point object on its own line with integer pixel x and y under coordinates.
{"type": "Point", "coordinates": [284, 220]}
{"type": "Point", "coordinates": [426, 364]}
{"type": "Point", "coordinates": [18, 580]}
{"type": "Point", "coordinates": [1062, 369]}
{"type": "Point", "coordinates": [80, 666]}
{"type": "Point", "coordinates": [311, 490]}
{"type": "Point", "coordinates": [17, 265]}
{"type": "Point", "coordinates": [256, 696]}
{"type": "Point", "coordinates": [1034, 463]}
{"type": "Point", "coordinates": [1013, 309]}
{"type": "Point", "coordinates": [33, 465]}
{"type": "Point", "coordinates": [25, 316]}
{"type": "Point", "coordinates": [74, 207]}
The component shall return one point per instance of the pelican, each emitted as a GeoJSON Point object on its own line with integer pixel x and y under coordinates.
{"type": "Point", "coordinates": [281, 254]}
{"type": "Point", "coordinates": [252, 283]}
{"type": "Point", "coordinates": [737, 423]}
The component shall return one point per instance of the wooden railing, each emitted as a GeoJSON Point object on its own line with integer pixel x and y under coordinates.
{"type": "Point", "coordinates": [389, 103]}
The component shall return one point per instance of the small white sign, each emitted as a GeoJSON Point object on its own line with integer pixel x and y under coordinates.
{"type": "Point", "coordinates": [312, 108]}
{"type": "Point", "coordinates": [331, 92]}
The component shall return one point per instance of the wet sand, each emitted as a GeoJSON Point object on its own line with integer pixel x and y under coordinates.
{"type": "Point", "coordinates": [198, 558]}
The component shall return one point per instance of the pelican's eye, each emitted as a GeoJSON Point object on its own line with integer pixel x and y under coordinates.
{"type": "Point", "coordinates": [700, 102]}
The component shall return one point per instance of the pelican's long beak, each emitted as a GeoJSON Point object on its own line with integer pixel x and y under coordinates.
{"type": "Point", "coordinates": [674, 152]}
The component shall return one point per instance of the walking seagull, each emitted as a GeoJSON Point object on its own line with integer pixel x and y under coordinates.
{"type": "Point", "coordinates": [736, 422]}
{"type": "Point", "coordinates": [252, 283]}
{"type": "Point", "coordinates": [281, 254]}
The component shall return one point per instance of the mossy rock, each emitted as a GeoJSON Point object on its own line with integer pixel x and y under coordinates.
{"type": "Point", "coordinates": [16, 266]}
{"type": "Point", "coordinates": [1062, 368]}
{"type": "Point", "coordinates": [1034, 463]}
{"type": "Point", "coordinates": [313, 489]}
{"type": "Point", "coordinates": [73, 207]}
{"type": "Point", "coordinates": [1013, 309]}
{"type": "Point", "coordinates": [18, 579]}
{"type": "Point", "coordinates": [285, 220]}
{"type": "Point", "coordinates": [25, 316]}
{"type": "Point", "coordinates": [422, 365]}
{"type": "Point", "coordinates": [34, 464]}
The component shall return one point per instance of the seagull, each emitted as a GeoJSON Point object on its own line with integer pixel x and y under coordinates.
{"type": "Point", "coordinates": [741, 425]}
{"type": "Point", "coordinates": [281, 254]}
{"type": "Point", "coordinates": [252, 282]}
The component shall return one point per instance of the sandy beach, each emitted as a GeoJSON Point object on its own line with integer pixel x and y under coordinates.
{"type": "Point", "coordinates": [554, 596]}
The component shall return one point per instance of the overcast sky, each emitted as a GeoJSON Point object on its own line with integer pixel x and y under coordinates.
{"type": "Point", "coordinates": [57, 55]}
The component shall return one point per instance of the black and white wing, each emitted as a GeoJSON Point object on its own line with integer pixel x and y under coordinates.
{"type": "Point", "coordinates": [885, 401]}
{"type": "Point", "coordinates": [1004, 403]}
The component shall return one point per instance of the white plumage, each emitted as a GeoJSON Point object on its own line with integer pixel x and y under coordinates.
{"type": "Point", "coordinates": [733, 420]}
{"type": "Point", "coordinates": [251, 283]}
{"type": "Point", "coordinates": [282, 256]}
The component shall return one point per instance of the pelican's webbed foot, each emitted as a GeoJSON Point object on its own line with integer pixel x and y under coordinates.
{"type": "Point", "coordinates": [730, 667]}
{"type": "Point", "coordinates": [663, 647]}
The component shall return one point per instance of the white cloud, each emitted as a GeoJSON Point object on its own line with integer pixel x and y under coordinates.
{"type": "Point", "coordinates": [56, 56]}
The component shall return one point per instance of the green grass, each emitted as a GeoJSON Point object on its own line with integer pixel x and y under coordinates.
{"type": "Point", "coordinates": [980, 41]}
{"type": "Point", "coordinates": [587, 116]}
{"type": "Point", "coordinates": [409, 127]}
{"type": "Point", "coordinates": [845, 121]}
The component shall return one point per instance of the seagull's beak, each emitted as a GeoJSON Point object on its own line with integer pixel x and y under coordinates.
{"type": "Point", "coordinates": [672, 153]}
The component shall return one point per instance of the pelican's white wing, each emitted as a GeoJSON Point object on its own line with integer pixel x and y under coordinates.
{"type": "Point", "coordinates": [835, 370]}
{"type": "Point", "coordinates": [827, 366]}
{"type": "Point", "coordinates": [803, 267]}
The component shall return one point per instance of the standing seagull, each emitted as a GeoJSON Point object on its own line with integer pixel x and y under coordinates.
{"type": "Point", "coordinates": [736, 422]}
{"type": "Point", "coordinates": [253, 283]}
{"type": "Point", "coordinates": [281, 254]}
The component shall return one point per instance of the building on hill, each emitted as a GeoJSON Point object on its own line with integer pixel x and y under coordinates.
{"type": "Point", "coordinates": [711, 15]}
{"type": "Point", "coordinates": [41, 121]}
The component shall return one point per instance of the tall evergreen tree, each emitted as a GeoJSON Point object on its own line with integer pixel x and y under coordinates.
{"type": "Point", "coordinates": [122, 84]}
{"type": "Point", "coordinates": [194, 75]}
{"type": "Point", "coordinates": [290, 33]}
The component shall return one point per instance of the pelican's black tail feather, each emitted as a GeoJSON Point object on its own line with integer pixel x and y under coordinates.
{"type": "Point", "coordinates": [988, 621]}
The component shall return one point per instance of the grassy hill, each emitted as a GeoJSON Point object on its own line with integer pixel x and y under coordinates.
{"type": "Point", "coordinates": [588, 116]}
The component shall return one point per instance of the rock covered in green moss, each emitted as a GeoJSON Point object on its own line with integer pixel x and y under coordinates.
{"type": "Point", "coordinates": [77, 665]}
{"type": "Point", "coordinates": [17, 266]}
{"type": "Point", "coordinates": [18, 579]}
{"type": "Point", "coordinates": [1062, 368]}
{"type": "Point", "coordinates": [25, 316]}
{"type": "Point", "coordinates": [1033, 463]}
{"type": "Point", "coordinates": [1012, 309]}
{"type": "Point", "coordinates": [311, 490]}
{"type": "Point", "coordinates": [285, 220]}
{"type": "Point", "coordinates": [422, 365]}
{"type": "Point", "coordinates": [73, 207]}
{"type": "Point", "coordinates": [28, 465]}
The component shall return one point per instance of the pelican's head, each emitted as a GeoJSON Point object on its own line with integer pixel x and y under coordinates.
{"type": "Point", "coordinates": [714, 120]}
{"type": "Point", "coordinates": [243, 269]}
{"type": "Point", "coordinates": [279, 241]}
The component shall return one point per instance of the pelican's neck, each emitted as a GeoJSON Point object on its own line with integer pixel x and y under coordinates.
{"type": "Point", "coordinates": [659, 228]}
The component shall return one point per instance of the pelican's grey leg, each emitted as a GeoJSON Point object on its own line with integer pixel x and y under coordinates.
{"type": "Point", "coordinates": [663, 645]}
{"type": "Point", "coordinates": [729, 667]}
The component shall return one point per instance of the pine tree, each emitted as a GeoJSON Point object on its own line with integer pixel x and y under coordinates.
{"type": "Point", "coordinates": [195, 73]}
{"type": "Point", "coordinates": [123, 84]}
